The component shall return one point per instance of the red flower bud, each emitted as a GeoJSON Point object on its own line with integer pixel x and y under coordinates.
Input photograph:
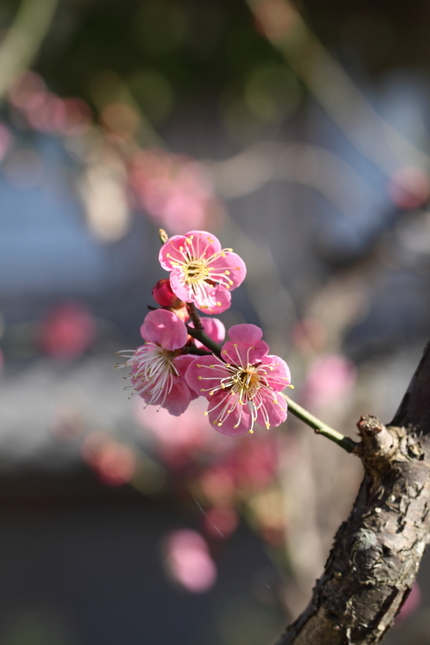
{"type": "Point", "coordinates": [163, 294]}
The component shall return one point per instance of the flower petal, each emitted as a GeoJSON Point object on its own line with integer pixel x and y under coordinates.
{"type": "Point", "coordinates": [227, 416]}
{"type": "Point", "coordinates": [244, 353]}
{"type": "Point", "coordinates": [229, 270]}
{"type": "Point", "coordinates": [165, 328]}
{"type": "Point", "coordinates": [245, 333]}
{"type": "Point", "coordinates": [170, 252]}
{"type": "Point", "coordinates": [205, 373]}
{"type": "Point", "coordinates": [274, 413]}
{"type": "Point", "coordinates": [278, 373]}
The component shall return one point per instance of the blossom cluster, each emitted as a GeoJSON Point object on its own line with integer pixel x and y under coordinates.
{"type": "Point", "coordinates": [182, 358]}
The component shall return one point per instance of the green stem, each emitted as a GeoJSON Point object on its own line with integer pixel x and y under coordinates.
{"type": "Point", "coordinates": [320, 428]}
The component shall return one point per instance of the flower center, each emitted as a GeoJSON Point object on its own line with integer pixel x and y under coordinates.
{"type": "Point", "coordinates": [195, 271]}
{"type": "Point", "coordinates": [246, 382]}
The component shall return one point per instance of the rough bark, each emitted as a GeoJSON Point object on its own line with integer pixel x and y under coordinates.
{"type": "Point", "coordinates": [377, 551]}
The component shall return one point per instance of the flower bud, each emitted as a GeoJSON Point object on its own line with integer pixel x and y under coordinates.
{"type": "Point", "coordinates": [164, 296]}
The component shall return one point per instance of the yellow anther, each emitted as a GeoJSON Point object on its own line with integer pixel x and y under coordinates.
{"type": "Point", "coordinates": [199, 378]}
{"type": "Point", "coordinates": [205, 413]}
{"type": "Point", "coordinates": [251, 431]}
{"type": "Point", "coordinates": [267, 426]}
{"type": "Point", "coordinates": [290, 385]}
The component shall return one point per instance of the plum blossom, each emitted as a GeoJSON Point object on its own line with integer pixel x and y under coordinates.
{"type": "Point", "coordinates": [243, 389]}
{"type": "Point", "coordinates": [157, 367]}
{"type": "Point", "coordinates": [188, 561]}
{"type": "Point", "coordinates": [201, 271]}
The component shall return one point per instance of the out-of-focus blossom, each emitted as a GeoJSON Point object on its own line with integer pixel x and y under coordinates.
{"type": "Point", "coordinates": [213, 328]}
{"type": "Point", "coordinates": [409, 188]}
{"type": "Point", "coordinates": [188, 561]}
{"type": "Point", "coordinates": [179, 440]}
{"type": "Point", "coordinates": [251, 466]}
{"type": "Point", "coordinates": [309, 335]}
{"type": "Point", "coordinates": [201, 271]}
{"type": "Point", "coordinates": [412, 603]}
{"type": "Point", "coordinates": [113, 462]}
{"type": "Point", "coordinates": [47, 112]}
{"type": "Point", "coordinates": [157, 368]}
{"type": "Point", "coordinates": [67, 331]}
{"type": "Point", "coordinates": [244, 389]}
{"type": "Point", "coordinates": [174, 190]}
{"type": "Point", "coordinates": [329, 378]}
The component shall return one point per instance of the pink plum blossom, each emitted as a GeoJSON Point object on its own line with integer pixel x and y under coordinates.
{"type": "Point", "coordinates": [157, 367]}
{"type": "Point", "coordinates": [201, 271]}
{"type": "Point", "coordinates": [243, 389]}
{"type": "Point", "coordinates": [188, 561]}
{"type": "Point", "coordinates": [174, 190]}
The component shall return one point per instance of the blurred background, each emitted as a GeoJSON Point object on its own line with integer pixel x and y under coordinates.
{"type": "Point", "coordinates": [299, 135]}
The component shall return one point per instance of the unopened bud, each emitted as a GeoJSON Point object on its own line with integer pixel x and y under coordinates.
{"type": "Point", "coordinates": [162, 235]}
{"type": "Point", "coordinates": [163, 294]}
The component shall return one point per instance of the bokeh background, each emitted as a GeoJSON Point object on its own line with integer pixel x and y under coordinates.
{"type": "Point", "coordinates": [299, 135]}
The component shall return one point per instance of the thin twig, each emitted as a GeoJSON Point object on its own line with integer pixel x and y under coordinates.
{"type": "Point", "coordinates": [319, 427]}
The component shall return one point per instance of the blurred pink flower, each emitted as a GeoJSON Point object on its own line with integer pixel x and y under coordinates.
{"type": "Point", "coordinates": [244, 390]}
{"type": "Point", "coordinates": [114, 463]}
{"type": "Point", "coordinates": [409, 187]}
{"type": "Point", "coordinates": [174, 190]}
{"type": "Point", "coordinates": [188, 561]}
{"type": "Point", "coordinates": [158, 368]}
{"type": "Point", "coordinates": [201, 271]}
{"type": "Point", "coordinates": [178, 440]}
{"type": "Point", "coordinates": [329, 378]}
{"type": "Point", "coordinates": [67, 331]}
{"type": "Point", "coordinates": [47, 111]}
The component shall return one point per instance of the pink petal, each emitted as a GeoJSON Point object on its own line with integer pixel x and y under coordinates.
{"type": "Point", "coordinates": [279, 376]}
{"type": "Point", "coordinates": [204, 244]}
{"type": "Point", "coordinates": [179, 288]}
{"type": "Point", "coordinates": [182, 363]}
{"type": "Point", "coordinates": [199, 244]}
{"type": "Point", "coordinates": [170, 252]}
{"type": "Point", "coordinates": [276, 412]}
{"type": "Point", "coordinates": [231, 266]}
{"type": "Point", "coordinates": [221, 400]}
{"type": "Point", "coordinates": [201, 377]}
{"type": "Point", "coordinates": [245, 333]}
{"type": "Point", "coordinates": [178, 398]}
{"type": "Point", "coordinates": [244, 353]}
{"type": "Point", "coordinates": [218, 302]}
{"type": "Point", "coordinates": [176, 402]}
{"type": "Point", "coordinates": [165, 328]}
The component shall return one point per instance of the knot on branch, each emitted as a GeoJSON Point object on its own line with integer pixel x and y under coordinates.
{"type": "Point", "coordinates": [378, 444]}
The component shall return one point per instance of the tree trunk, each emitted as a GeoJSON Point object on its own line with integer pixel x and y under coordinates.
{"type": "Point", "coordinates": [377, 551]}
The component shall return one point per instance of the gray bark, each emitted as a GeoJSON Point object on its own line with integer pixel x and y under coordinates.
{"type": "Point", "coordinates": [377, 552]}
